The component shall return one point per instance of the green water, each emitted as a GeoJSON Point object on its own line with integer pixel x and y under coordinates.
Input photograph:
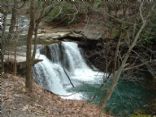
{"type": "Point", "coordinates": [127, 98]}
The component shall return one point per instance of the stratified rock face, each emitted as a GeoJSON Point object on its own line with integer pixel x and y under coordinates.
{"type": "Point", "coordinates": [67, 35]}
{"type": "Point", "coordinates": [19, 58]}
{"type": "Point", "coordinates": [88, 43]}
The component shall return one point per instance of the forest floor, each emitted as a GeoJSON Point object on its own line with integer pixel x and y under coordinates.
{"type": "Point", "coordinates": [17, 102]}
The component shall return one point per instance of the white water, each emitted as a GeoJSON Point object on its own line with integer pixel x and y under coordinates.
{"type": "Point", "coordinates": [51, 73]}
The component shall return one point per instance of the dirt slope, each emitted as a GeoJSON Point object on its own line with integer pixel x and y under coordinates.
{"type": "Point", "coordinates": [16, 102]}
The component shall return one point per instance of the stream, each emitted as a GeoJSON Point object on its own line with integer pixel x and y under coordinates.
{"type": "Point", "coordinates": [64, 71]}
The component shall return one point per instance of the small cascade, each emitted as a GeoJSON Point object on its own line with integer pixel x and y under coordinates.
{"type": "Point", "coordinates": [73, 56]}
{"type": "Point", "coordinates": [50, 76]}
{"type": "Point", "coordinates": [65, 66]}
{"type": "Point", "coordinates": [55, 53]}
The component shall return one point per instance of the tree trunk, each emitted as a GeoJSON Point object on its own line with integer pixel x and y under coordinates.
{"type": "Point", "coordinates": [29, 44]}
{"type": "Point", "coordinates": [12, 34]}
{"type": "Point", "coordinates": [2, 44]}
{"type": "Point", "coordinates": [13, 19]}
{"type": "Point", "coordinates": [117, 74]}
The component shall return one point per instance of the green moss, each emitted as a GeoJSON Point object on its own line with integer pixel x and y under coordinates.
{"type": "Point", "coordinates": [63, 14]}
{"type": "Point", "coordinates": [46, 42]}
{"type": "Point", "coordinates": [115, 33]}
{"type": "Point", "coordinates": [140, 115]}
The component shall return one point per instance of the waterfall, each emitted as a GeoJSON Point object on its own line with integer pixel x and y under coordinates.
{"type": "Point", "coordinates": [66, 62]}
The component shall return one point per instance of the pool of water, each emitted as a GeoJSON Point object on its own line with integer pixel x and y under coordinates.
{"type": "Point", "coordinates": [127, 98]}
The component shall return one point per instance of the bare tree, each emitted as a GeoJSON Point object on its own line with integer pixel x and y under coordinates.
{"type": "Point", "coordinates": [12, 30]}
{"type": "Point", "coordinates": [29, 44]}
{"type": "Point", "coordinates": [4, 12]}
{"type": "Point", "coordinates": [10, 7]}
{"type": "Point", "coordinates": [36, 16]}
{"type": "Point", "coordinates": [117, 73]}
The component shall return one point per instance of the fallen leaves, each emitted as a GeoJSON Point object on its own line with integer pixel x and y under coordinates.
{"type": "Point", "coordinates": [40, 103]}
{"type": "Point", "coordinates": [25, 108]}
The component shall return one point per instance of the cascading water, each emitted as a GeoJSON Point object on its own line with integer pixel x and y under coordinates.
{"type": "Point", "coordinates": [66, 62]}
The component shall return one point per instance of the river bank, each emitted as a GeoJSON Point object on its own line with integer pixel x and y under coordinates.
{"type": "Point", "coordinates": [16, 102]}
